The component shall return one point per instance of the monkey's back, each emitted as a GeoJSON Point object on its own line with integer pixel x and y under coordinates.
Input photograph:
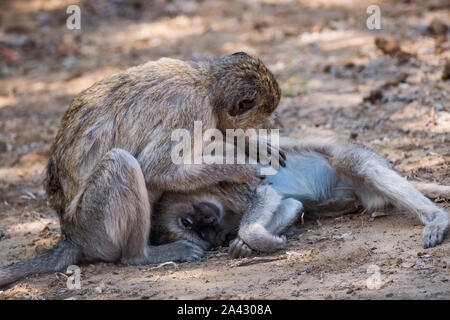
{"type": "Point", "coordinates": [309, 178]}
{"type": "Point", "coordinates": [135, 110]}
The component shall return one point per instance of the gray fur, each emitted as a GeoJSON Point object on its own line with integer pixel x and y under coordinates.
{"type": "Point", "coordinates": [327, 178]}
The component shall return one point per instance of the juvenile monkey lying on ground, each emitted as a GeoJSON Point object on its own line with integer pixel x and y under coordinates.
{"type": "Point", "coordinates": [322, 177]}
{"type": "Point", "coordinates": [111, 159]}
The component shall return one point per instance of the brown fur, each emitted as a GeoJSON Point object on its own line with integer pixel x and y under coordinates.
{"type": "Point", "coordinates": [111, 159]}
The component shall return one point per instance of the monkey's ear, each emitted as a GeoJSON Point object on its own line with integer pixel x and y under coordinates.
{"type": "Point", "coordinates": [240, 53]}
{"type": "Point", "coordinates": [242, 106]}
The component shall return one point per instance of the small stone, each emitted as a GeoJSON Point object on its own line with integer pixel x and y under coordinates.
{"type": "Point", "coordinates": [387, 45]}
{"type": "Point", "coordinates": [2, 235]}
{"type": "Point", "coordinates": [437, 27]}
{"type": "Point", "coordinates": [446, 73]}
{"type": "Point", "coordinates": [14, 246]}
{"type": "Point", "coordinates": [374, 96]}
{"type": "Point", "coordinates": [103, 287]}
{"type": "Point", "coordinates": [350, 291]}
{"type": "Point", "coordinates": [98, 289]}
{"type": "Point", "coordinates": [2, 145]}
{"type": "Point", "coordinates": [407, 265]}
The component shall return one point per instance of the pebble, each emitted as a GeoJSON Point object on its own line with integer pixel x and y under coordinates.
{"type": "Point", "coordinates": [437, 27]}
{"type": "Point", "coordinates": [98, 290]}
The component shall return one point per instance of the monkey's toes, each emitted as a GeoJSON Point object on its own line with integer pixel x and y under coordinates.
{"type": "Point", "coordinates": [238, 249]}
{"type": "Point", "coordinates": [433, 234]}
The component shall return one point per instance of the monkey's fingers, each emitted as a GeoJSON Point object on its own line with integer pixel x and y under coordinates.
{"type": "Point", "coordinates": [189, 251]}
{"type": "Point", "coordinates": [247, 173]}
{"type": "Point", "coordinates": [238, 249]}
{"type": "Point", "coordinates": [281, 158]}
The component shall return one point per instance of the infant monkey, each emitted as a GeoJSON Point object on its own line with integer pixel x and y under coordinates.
{"type": "Point", "coordinates": [211, 216]}
{"type": "Point", "coordinates": [322, 177]}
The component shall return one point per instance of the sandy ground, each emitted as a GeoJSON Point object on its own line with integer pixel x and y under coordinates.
{"type": "Point", "coordinates": [326, 61]}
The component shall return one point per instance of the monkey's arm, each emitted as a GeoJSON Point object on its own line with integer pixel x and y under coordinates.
{"type": "Point", "coordinates": [212, 170]}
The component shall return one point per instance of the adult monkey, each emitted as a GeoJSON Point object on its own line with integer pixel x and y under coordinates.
{"type": "Point", "coordinates": [111, 160]}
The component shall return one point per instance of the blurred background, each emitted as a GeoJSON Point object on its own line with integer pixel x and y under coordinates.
{"type": "Point", "coordinates": [385, 88]}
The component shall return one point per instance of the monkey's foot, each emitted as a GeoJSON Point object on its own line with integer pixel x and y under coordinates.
{"type": "Point", "coordinates": [258, 238]}
{"type": "Point", "coordinates": [238, 248]}
{"type": "Point", "coordinates": [181, 250]}
{"type": "Point", "coordinates": [434, 231]}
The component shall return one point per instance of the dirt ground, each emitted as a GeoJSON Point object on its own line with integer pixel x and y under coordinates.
{"type": "Point", "coordinates": [335, 81]}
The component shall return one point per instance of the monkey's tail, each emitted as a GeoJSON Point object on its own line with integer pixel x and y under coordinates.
{"type": "Point", "coordinates": [62, 255]}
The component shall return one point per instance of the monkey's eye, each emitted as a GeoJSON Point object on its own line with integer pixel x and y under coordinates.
{"type": "Point", "coordinates": [245, 105]}
{"type": "Point", "coordinates": [186, 222]}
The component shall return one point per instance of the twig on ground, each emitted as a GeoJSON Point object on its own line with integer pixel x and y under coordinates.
{"type": "Point", "coordinates": [255, 260]}
{"type": "Point", "coordinates": [165, 264]}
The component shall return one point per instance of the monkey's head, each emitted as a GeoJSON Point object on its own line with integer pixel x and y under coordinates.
{"type": "Point", "coordinates": [243, 92]}
{"type": "Point", "coordinates": [195, 220]}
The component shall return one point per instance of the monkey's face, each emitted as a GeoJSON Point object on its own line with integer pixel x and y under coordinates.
{"type": "Point", "coordinates": [212, 224]}
{"type": "Point", "coordinates": [202, 221]}
{"type": "Point", "coordinates": [183, 217]}
{"type": "Point", "coordinates": [244, 92]}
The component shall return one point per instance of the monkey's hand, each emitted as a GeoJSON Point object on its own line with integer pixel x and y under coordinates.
{"type": "Point", "coordinates": [247, 173]}
{"type": "Point", "coordinates": [434, 231]}
{"type": "Point", "coordinates": [238, 248]}
{"type": "Point", "coordinates": [186, 250]}
{"type": "Point", "coordinates": [272, 155]}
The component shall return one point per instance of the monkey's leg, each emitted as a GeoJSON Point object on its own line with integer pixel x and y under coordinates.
{"type": "Point", "coordinates": [335, 207]}
{"type": "Point", "coordinates": [114, 213]}
{"type": "Point", "coordinates": [255, 229]}
{"type": "Point", "coordinates": [374, 182]}
{"type": "Point", "coordinates": [266, 235]}
{"type": "Point", "coordinates": [288, 212]}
